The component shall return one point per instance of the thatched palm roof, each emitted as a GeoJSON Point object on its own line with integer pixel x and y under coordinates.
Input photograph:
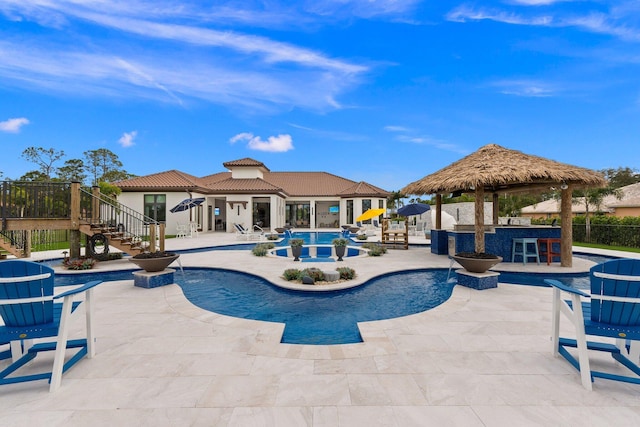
{"type": "Point", "coordinates": [500, 170]}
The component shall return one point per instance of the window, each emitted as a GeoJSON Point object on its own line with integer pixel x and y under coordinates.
{"type": "Point", "coordinates": [155, 206]}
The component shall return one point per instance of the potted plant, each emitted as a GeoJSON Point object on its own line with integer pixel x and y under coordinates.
{"type": "Point", "coordinates": [154, 261]}
{"type": "Point", "coordinates": [341, 247]}
{"type": "Point", "coordinates": [296, 248]}
{"type": "Point", "coordinates": [476, 262]}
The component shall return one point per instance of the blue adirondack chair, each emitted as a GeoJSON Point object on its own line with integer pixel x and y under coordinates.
{"type": "Point", "coordinates": [30, 311]}
{"type": "Point", "coordinates": [611, 310]}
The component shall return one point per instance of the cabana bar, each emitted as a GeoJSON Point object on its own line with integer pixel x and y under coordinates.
{"type": "Point", "coordinates": [499, 240]}
{"type": "Point", "coordinates": [496, 170]}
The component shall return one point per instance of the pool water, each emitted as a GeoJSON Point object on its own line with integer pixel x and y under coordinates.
{"type": "Point", "coordinates": [321, 317]}
{"type": "Point", "coordinates": [316, 317]}
{"type": "Point", "coordinates": [312, 237]}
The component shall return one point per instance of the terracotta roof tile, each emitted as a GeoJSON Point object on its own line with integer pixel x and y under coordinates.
{"type": "Point", "coordinates": [246, 162]}
{"type": "Point", "coordinates": [231, 185]}
{"type": "Point", "coordinates": [289, 184]}
{"type": "Point", "coordinates": [172, 179]}
{"type": "Point", "coordinates": [363, 189]}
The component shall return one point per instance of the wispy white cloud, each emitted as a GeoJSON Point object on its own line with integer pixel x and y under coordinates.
{"type": "Point", "coordinates": [391, 128]}
{"type": "Point", "coordinates": [216, 65]}
{"type": "Point", "coordinates": [277, 144]}
{"type": "Point", "coordinates": [538, 2]}
{"type": "Point", "coordinates": [526, 88]}
{"type": "Point", "coordinates": [13, 125]}
{"type": "Point", "coordinates": [616, 21]}
{"type": "Point", "coordinates": [360, 8]}
{"type": "Point", "coordinates": [331, 134]}
{"type": "Point", "coordinates": [467, 13]}
{"type": "Point", "coordinates": [407, 135]}
{"type": "Point", "coordinates": [127, 138]}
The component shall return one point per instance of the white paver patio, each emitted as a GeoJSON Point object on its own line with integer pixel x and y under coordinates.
{"type": "Point", "coordinates": [480, 359]}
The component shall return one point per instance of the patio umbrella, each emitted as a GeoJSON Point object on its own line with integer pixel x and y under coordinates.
{"type": "Point", "coordinates": [186, 204]}
{"type": "Point", "coordinates": [413, 209]}
{"type": "Point", "coordinates": [371, 213]}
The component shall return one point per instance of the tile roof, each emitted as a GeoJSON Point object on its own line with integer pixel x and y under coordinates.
{"type": "Point", "coordinates": [167, 180]}
{"type": "Point", "coordinates": [630, 197]}
{"type": "Point", "coordinates": [246, 162]}
{"type": "Point", "coordinates": [362, 189]}
{"type": "Point", "coordinates": [289, 184]}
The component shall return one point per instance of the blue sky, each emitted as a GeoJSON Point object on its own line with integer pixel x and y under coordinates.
{"type": "Point", "coordinates": [381, 91]}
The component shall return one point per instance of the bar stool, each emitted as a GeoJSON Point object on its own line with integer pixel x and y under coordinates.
{"type": "Point", "coordinates": [523, 249]}
{"type": "Point", "coordinates": [545, 247]}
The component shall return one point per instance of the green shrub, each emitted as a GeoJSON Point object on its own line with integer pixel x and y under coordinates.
{"type": "Point", "coordinates": [346, 273]}
{"type": "Point", "coordinates": [362, 236]}
{"type": "Point", "coordinates": [292, 274]}
{"type": "Point", "coordinates": [272, 237]}
{"type": "Point", "coordinates": [296, 242]}
{"type": "Point", "coordinates": [315, 273]}
{"type": "Point", "coordinates": [261, 249]}
{"type": "Point", "coordinates": [375, 249]}
{"type": "Point", "coordinates": [340, 242]}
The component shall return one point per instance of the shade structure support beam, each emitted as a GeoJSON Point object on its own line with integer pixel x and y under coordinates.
{"type": "Point", "coordinates": [479, 237]}
{"type": "Point", "coordinates": [496, 208]}
{"type": "Point", "coordinates": [566, 230]}
{"type": "Point", "coordinates": [438, 211]}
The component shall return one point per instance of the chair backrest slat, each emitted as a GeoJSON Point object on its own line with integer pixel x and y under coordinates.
{"type": "Point", "coordinates": [617, 278]}
{"type": "Point", "coordinates": [25, 279]}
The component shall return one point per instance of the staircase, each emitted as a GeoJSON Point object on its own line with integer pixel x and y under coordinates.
{"type": "Point", "coordinates": [123, 228]}
{"type": "Point", "coordinates": [12, 243]}
{"type": "Point", "coordinates": [27, 207]}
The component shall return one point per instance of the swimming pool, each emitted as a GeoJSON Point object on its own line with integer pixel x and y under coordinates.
{"type": "Point", "coordinates": [318, 317]}
{"type": "Point", "coordinates": [312, 237]}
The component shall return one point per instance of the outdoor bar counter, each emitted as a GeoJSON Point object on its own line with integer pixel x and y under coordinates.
{"type": "Point", "coordinates": [498, 239]}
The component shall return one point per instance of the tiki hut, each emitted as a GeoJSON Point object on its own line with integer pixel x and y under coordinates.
{"type": "Point", "coordinates": [497, 170]}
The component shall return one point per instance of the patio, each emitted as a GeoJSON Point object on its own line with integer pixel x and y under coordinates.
{"type": "Point", "coordinates": [482, 358]}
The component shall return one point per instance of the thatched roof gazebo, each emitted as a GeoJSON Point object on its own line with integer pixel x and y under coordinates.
{"type": "Point", "coordinates": [498, 170]}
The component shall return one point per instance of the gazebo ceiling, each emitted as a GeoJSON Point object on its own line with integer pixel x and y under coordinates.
{"type": "Point", "coordinates": [500, 170]}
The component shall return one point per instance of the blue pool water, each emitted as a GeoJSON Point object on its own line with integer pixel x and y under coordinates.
{"type": "Point", "coordinates": [312, 237]}
{"type": "Point", "coordinates": [322, 317]}
{"type": "Point", "coordinates": [316, 317]}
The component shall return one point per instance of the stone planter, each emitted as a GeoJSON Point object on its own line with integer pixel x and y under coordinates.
{"type": "Point", "coordinates": [340, 251]}
{"type": "Point", "coordinates": [477, 264]}
{"type": "Point", "coordinates": [296, 251]}
{"type": "Point", "coordinates": [151, 263]}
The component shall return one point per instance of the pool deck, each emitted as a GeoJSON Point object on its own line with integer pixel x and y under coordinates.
{"type": "Point", "coordinates": [480, 359]}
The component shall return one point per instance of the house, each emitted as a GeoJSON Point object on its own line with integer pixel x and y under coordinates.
{"type": "Point", "coordinates": [248, 194]}
{"type": "Point", "coordinates": [627, 205]}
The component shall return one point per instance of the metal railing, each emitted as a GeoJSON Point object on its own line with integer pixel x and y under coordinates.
{"type": "Point", "coordinates": [35, 200]}
{"type": "Point", "coordinates": [114, 215]}
{"type": "Point", "coordinates": [25, 200]}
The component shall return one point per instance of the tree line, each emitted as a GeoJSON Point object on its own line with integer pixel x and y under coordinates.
{"type": "Point", "coordinates": [97, 167]}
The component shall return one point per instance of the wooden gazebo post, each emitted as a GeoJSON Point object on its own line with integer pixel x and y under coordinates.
{"type": "Point", "coordinates": [479, 238]}
{"type": "Point", "coordinates": [438, 211]}
{"type": "Point", "coordinates": [566, 230]}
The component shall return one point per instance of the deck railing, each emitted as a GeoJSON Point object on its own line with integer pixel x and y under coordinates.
{"type": "Point", "coordinates": [33, 204]}
{"type": "Point", "coordinates": [35, 200]}
{"type": "Point", "coordinates": [109, 212]}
